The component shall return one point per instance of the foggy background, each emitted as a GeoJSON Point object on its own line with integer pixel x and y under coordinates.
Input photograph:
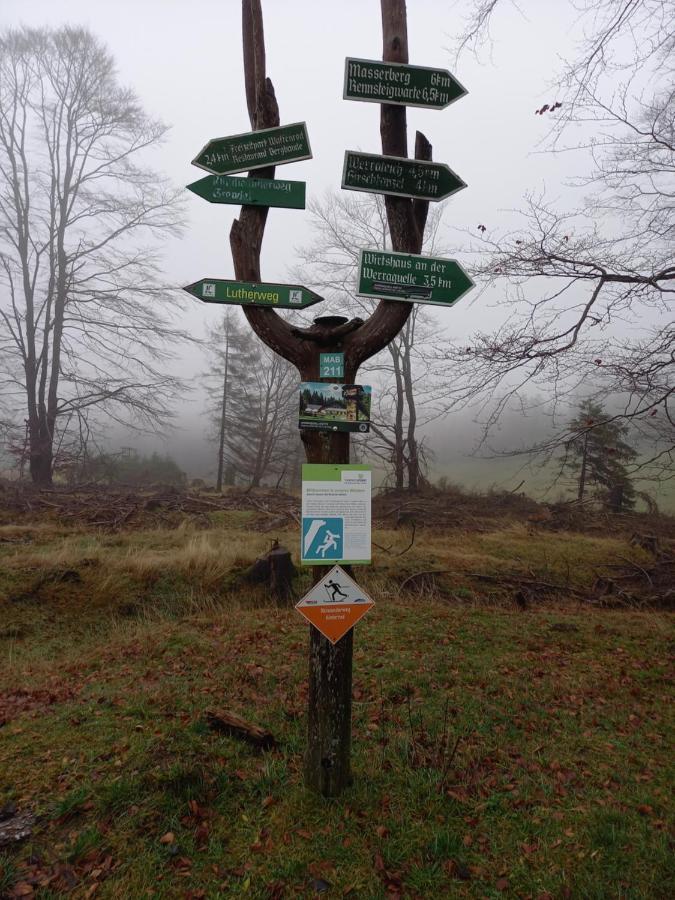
{"type": "Point", "coordinates": [184, 61]}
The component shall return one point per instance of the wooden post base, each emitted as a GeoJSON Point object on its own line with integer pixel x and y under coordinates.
{"type": "Point", "coordinates": [328, 758]}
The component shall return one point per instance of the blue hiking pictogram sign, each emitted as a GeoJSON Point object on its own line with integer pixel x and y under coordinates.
{"type": "Point", "coordinates": [322, 538]}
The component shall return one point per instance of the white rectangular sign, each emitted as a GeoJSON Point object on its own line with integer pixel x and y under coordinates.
{"type": "Point", "coordinates": [336, 520]}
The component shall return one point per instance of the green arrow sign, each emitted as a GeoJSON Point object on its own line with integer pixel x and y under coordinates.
{"type": "Point", "coordinates": [400, 84]}
{"type": "Point", "coordinates": [249, 293]}
{"type": "Point", "coordinates": [255, 150]}
{"type": "Point", "coordinates": [404, 276]}
{"type": "Point", "coordinates": [399, 176]}
{"type": "Point", "coordinates": [250, 191]}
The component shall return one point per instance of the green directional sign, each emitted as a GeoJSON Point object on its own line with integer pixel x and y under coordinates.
{"type": "Point", "coordinates": [249, 293]}
{"type": "Point", "coordinates": [250, 191]}
{"type": "Point", "coordinates": [400, 84]}
{"type": "Point", "coordinates": [399, 176]}
{"type": "Point", "coordinates": [405, 276]}
{"type": "Point", "coordinates": [255, 150]}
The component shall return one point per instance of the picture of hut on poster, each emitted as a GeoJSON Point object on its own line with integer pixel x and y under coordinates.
{"type": "Point", "coordinates": [336, 517]}
{"type": "Point", "coordinates": [335, 407]}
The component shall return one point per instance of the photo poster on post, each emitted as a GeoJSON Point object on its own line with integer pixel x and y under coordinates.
{"type": "Point", "coordinates": [335, 407]}
{"type": "Point", "coordinates": [336, 514]}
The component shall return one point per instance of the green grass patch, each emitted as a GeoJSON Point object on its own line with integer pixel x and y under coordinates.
{"type": "Point", "coordinates": [496, 752]}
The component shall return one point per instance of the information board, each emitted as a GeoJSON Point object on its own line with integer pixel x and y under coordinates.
{"type": "Point", "coordinates": [336, 517]}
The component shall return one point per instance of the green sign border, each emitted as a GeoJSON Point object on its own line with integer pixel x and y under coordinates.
{"type": "Point", "coordinates": [346, 95]}
{"type": "Point", "coordinates": [383, 296]}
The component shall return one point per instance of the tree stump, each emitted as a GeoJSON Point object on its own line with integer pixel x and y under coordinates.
{"type": "Point", "coordinates": [276, 570]}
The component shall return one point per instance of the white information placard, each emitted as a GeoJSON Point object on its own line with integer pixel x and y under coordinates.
{"type": "Point", "coordinates": [336, 519]}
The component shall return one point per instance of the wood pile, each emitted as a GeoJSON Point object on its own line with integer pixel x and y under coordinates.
{"type": "Point", "coordinates": [117, 508]}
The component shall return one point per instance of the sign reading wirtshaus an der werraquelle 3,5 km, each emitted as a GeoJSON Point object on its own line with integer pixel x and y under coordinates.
{"type": "Point", "coordinates": [406, 276]}
{"type": "Point", "coordinates": [255, 150]}
{"type": "Point", "coordinates": [399, 176]}
{"type": "Point", "coordinates": [400, 84]}
{"type": "Point", "coordinates": [249, 293]}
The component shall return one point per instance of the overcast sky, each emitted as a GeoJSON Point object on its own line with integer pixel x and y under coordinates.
{"type": "Point", "coordinates": [184, 60]}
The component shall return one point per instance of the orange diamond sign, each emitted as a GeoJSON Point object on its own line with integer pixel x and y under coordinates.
{"type": "Point", "coordinates": [335, 604]}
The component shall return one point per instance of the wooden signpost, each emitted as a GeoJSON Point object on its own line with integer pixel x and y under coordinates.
{"type": "Point", "coordinates": [408, 185]}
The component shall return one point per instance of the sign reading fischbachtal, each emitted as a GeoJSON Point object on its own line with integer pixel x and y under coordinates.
{"type": "Point", "coordinates": [400, 84]}
{"type": "Point", "coordinates": [399, 176]}
{"type": "Point", "coordinates": [406, 276]}
{"type": "Point", "coordinates": [250, 191]}
{"type": "Point", "coordinates": [248, 293]}
{"type": "Point", "coordinates": [255, 150]}
{"type": "Point", "coordinates": [335, 604]}
{"type": "Point", "coordinates": [335, 514]}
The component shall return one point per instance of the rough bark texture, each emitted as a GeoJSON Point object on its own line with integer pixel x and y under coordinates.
{"type": "Point", "coordinates": [327, 768]}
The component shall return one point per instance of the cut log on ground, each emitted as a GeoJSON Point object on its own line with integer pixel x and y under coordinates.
{"type": "Point", "coordinates": [229, 723]}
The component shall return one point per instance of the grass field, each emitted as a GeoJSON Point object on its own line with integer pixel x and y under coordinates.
{"type": "Point", "coordinates": [496, 751]}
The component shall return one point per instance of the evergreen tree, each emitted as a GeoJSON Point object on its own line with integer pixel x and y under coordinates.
{"type": "Point", "coordinates": [253, 406]}
{"type": "Point", "coordinates": [598, 455]}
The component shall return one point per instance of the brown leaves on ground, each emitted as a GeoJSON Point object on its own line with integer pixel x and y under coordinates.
{"type": "Point", "coordinates": [87, 873]}
{"type": "Point", "coordinates": [32, 703]}
{"type": "Point", "coordinates": [392, 881]}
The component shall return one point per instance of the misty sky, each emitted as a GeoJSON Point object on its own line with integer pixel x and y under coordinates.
{"type": "Point", "coordinates": [184, 61]}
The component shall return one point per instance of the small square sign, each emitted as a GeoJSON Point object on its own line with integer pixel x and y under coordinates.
{"type": "Point", "coordinates": [331, 365]}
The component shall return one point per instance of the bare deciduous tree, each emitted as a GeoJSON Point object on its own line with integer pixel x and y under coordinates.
{"type": "Point", "coordinates": [80, 213]}
{"type": "Point", "coordinates": [590, 289]}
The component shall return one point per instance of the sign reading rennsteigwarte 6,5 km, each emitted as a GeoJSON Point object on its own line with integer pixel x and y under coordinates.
{"type": "Point", "coordinates": [406, 276]}
{"type": "Point", "coordinates": [399, 176]}
{"type": "Point", "coordinates": [248, 293]}
{"type": "Point", "coordinates": [255, 150]}
{"type": "Point", "coordinates": [400, 84]}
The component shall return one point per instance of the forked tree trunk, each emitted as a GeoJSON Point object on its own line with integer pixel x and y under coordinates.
{"type": "Point", "coordinates": [327, 761]}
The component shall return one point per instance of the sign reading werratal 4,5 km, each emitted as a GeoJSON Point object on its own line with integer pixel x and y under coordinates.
{"type": "Point", "coordinates": [399, 176]}
{"type": "Point", "coordinates": [406, 276]}
{"type": "Point", "coordinates": [400, 84]}
{"type": "Point", "coordinates": [255, 150]}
